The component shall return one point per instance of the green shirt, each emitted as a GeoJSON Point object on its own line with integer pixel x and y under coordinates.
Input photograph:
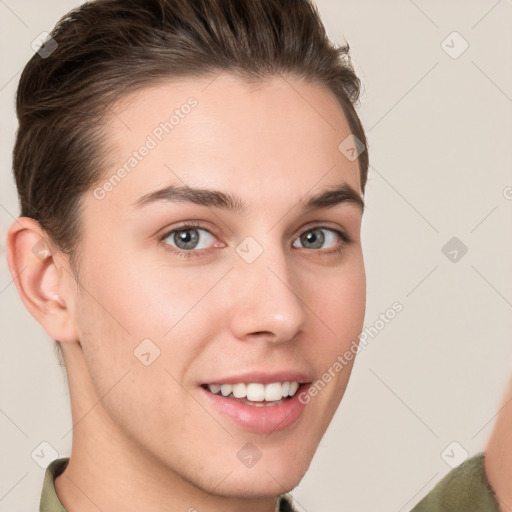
{"type": "Point", "coordinates": [50, 501]}
{"type": "Point", "coordinates": [464, 489]}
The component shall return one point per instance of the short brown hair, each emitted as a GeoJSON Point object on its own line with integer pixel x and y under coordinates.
{"type": "Point", "coordinates": [107, 48]}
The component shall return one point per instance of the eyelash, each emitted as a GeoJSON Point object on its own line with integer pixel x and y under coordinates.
{"type": "Point", "coordinates": [192, 253]}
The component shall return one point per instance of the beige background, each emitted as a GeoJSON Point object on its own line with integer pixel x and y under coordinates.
{"type": "Point", "coordinates": [440, 146]}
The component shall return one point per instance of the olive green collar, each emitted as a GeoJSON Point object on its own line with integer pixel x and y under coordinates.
{"type": "Point", "coordinates": [49, 500]}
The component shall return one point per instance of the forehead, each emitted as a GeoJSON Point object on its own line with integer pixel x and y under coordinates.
{"type": "Point", "coordinates": [270, 141]}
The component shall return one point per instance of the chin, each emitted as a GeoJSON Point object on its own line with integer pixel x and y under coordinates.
{"type": "Point", "coordinates": [282, 466]}
{"type": "Point", "coordinates": [259, 484]}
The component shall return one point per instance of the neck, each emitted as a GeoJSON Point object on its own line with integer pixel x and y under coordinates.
{"type": "Point", "coordinates": [109, 471]}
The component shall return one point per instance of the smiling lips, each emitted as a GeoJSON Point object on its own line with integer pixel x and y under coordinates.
{"type": "Point", "coordinates": [259, 407]}
{"type": "Point", "coordinates": [260, 400]}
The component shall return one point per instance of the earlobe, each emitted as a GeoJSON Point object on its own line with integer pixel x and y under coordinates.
{"type": "Point", "coordinates": [35, 272]}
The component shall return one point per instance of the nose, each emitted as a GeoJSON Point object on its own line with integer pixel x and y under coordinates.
{"type": "Point", "coordinates": [266, 300]}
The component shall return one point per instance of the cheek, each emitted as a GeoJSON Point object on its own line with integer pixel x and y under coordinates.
{"type": "Point", "coordinates": [109, 325]}
{"type": "Point", "coordinates": [139, 301]}
{"type": "Point", "coordinates": [129, 310]}
{"type": "Point", "coordinates": [339, 302]}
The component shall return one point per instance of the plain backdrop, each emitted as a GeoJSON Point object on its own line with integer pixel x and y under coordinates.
{"type": "Point", "coordinates": [425, 389]}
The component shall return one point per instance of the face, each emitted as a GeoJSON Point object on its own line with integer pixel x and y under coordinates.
{"type": "Point", "coordinates": [186, 293]}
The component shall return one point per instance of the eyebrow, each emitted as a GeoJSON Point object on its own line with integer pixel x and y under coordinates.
{"type": "Point", "coordinates": [339, 194]}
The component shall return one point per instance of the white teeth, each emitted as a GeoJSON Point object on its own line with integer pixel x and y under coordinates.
{"type": "Point", "coordinates": [273, 391]}
{"type": "Point", "coordinates": [226, 389]}
{"type": "Point", "coordinates": [255, 391]}
{"type": "Point", "coordinates": [293, 388]}
{"type": "Point", "coordinates": [239, 390]}
{"type": "Point", "coordinates": [215, 388]}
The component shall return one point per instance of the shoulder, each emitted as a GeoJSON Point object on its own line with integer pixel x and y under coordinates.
{"type": "Point", "coordinates": [464, 488]}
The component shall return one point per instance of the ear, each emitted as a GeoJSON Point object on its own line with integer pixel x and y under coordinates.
{"type": "Point", "coordinates": [35, 270]}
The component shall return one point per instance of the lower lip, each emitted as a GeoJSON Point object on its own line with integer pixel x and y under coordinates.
{"type": "Point", "coordinates": [266, 419]}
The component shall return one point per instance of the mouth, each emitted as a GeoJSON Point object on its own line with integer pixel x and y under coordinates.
{"type": "Point", "coordinates": [257, 407]}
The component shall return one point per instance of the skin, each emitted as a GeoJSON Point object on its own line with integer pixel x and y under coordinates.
{"type": "Point", "coordinates": [143, 438]}
{"type": "Point", "coordinates": [498, 454]}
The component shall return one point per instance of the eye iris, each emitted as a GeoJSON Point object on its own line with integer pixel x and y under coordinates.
{"type": "Point", "coordinates": [183, 236]}
{"type": "Point", "coordinates": [315, 236]}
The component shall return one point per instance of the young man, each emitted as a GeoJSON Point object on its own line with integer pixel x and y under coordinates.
{"type": "Point", "coordinates": [191, 178]}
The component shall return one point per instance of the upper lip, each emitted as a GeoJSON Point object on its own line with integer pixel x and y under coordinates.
{"type": "Point", "coordinates": [264, 377]}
